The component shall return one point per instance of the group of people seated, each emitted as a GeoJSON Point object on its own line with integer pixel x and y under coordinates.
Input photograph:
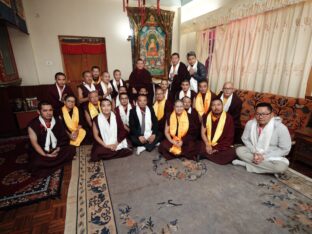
{"type": "Point", "coordinates": [181, 116]}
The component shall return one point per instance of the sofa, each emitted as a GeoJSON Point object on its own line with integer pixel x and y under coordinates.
{"type": "Point", "coordinates": [295, 112]}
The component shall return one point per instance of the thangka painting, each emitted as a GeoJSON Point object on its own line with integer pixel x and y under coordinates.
{"type": "Point", "coordinates": [152, 47]}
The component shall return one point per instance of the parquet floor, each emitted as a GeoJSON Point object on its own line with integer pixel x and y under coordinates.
{"type": "Point", "coordinates": [47, 216]}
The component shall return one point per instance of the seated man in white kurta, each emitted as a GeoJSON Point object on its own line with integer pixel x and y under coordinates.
{"type": "Point", "coordinates": [267, 142]}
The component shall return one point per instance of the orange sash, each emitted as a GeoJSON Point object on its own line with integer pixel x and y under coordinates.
{"type": "Point", "coordinates": [183, 123]}
{"type": "Point", "coordinates": [159, 108]}
{"type": "Point", "coordinates": [200, 106]}
{"type": "Point", "coordinates": [93, 110]}
{"type": "Point", "coordinates": [219, 129]}
{"type": "Point", "coordinates": [72, 125]}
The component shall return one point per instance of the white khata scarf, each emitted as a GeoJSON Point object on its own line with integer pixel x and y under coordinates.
{"type": "Point", "coordinates": [105, 87]}
{"type": "Point", "coordinates": [117, 101]}
{"type": "Point", "coordinates": [50, 138]}
{"type": "Point", "coordinates": [189, 110]}
{"type": "Point", "coordinates": [125, 116]}
{"type": "Point", "coordinates": [92, 88]}
{"type": "Point", "coordinates": [108, 131]}
{"type": "Point", "coordinates": [175, 70]}
{"type": "Point", "coordinates": [148, 121]}
{"type": "Point", "coordinates": [60, 91]}
{"type": "Point", "coordinates": [116, 86]}
{"type": "Point", "coordinates": [193, 82]}
{"type": "Point", "coordinates": [261, 143]}
{"type": "Point", "coordinates": [166, 94]}
{"type": "Point", "coordinates": [188, 94]}
{"type": "Point", "coordinates": [227, 105]}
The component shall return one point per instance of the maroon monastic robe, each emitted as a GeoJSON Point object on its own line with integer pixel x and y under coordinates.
{"type": "Point", "coordinates": [225, 153]}
{"type": "Point", "coordinates": [54, 99]}
{"type": "Point", "coordinates": [115, 92]}
{"type": "Point", "coordinates": [193, 95]}
{"type": "Point", "coordinates": [235, 111]}
{"type": "Point", "coordinates": [190, 148]}
{"type": "Point", "coordinates": [42, 166]}
{"type": "Point", "coordinates": [99, 152]}
{"type": "Point", "coordinates": [141, 79]}
{"type": "Point", "coordinates": [162, 122]}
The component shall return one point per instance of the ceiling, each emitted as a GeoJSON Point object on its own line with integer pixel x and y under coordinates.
{"type": "Point", "coordinates": [168, 3]}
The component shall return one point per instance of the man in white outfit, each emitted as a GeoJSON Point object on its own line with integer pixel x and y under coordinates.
{"type": "Point", "coordinates": [267, 142]}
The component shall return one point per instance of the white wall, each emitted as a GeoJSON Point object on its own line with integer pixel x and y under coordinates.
{"type": "Point", "coordinates": [187, 43]}
{"type": "Point", "coordinates": [24, 56]}
{"type": "Point", "coordinates": [38, 55]}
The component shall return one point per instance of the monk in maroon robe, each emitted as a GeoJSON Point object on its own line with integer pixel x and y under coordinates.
{"type": "Point", "coordinates": [123, 109]}
{"type": "Point", "coordinates": [57, 92]}
{"type": "Point", "coordinates": [50, 148]}
{"type": "Point", "coordinates": [116, 83]}
{"type": "Point", "coordinates": [162, 114]}
{"type": "Point", "coordinates": [104, 125]}
{"type": "Point", "coordinates": [140, 78]}
{"type": "Point", "coordinates": [185, 91]}
{"type": "Point", "coordinates": [188, 141]}
{"type": "Point", "coordinates": [218, 149]}
{"type": "Point", "coordinates": [85, 88]}
{"type": "Point", "coordinates": [234, 108]}
{"type": "Point", "coordinates": [187, 103]}
{"type": "Point", "coordinates": [177, 73]}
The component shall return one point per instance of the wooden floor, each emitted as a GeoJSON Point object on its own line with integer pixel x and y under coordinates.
{"type": "Point", "coordinates": [49, 216]}
{"type": "Point", "coordinates": [44, 217]}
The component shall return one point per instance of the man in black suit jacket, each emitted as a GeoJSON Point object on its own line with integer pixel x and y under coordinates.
{"type": "Point", "coordinates": [196, 69]}
{"type": "Point", "coordinates": [143, 126]}
{"type": "Point", "coordinates": [177, 73]}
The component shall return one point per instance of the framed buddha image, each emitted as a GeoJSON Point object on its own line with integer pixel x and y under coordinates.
{"type": "Point", "coordinates": [152, 40]}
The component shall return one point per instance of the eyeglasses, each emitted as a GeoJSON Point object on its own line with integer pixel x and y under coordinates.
{"type": "Point", "coordinates": [262, 114]}
{"type": "Point", "coordinates": [227, 88]}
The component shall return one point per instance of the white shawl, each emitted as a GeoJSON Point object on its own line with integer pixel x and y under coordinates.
{"type": "Point", "coordinates": [108, 131]}
{"type": "Point", "coordinates": [261, 143]}
{"type": "Point", "coordinates": [166, 94]}
{"type": "Point", "coordinates": [60, 91]}
{"type": "Point", "coordinates": [105, 88]}
{"type": "Point", "coordinates": [175, 71]}
{"type": "Point", "coordinates": [188, 94]}
{"type": "Point", "coordinates": [193, 82]}
{"type": "Point", "coordinates": [92, 88]}
{"type": "Point", "coordinates": [189, 110]}
{"type": "Point", "coordinates": [115, 84]}
{"type": "Point", "coordinates": [117, 101]}
{"type": "Point", "coordinates": [50, 138]}
{"type": "Point", "coordinates": [148, 121]}
{"type": "Point", "coordinates": [227, 105]}
{"type": "Point", "coordinates": [125, 116]}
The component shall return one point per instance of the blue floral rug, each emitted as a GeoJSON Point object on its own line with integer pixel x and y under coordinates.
{"type": "Point", "coordinates": [89, 207]}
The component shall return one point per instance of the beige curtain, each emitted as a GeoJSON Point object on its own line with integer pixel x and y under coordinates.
{"type": "Point", "coordinates": [270, 52]}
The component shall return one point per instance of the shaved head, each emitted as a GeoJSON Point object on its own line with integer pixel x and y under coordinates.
{"type": "Point", "coordinates": [228, 89]}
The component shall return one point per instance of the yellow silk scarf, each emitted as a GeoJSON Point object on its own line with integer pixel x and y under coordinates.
{"type": "Point", "coordinates": [183, 123]}
{"type": "Point", "coordinates": [219, 129]}
{"type": "Point", "coordinates": [72, 125]}
{"type": "Point", "coordinates": [93, 110]}
{"type": "Point", "coordinates": [200, 106]}
{"type": "Point", "coordinates": [159, 108]}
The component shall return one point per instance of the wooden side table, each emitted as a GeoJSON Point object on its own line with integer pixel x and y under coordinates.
{"type": "Point", "coordinates": [303, 147]}
{"type": "Point", "coordinates": [24, 117]}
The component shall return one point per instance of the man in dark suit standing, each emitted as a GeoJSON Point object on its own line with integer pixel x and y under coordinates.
{"type": "Point", "coordinates": [177, 73]}
{"type": "Point", "coordinates": [197, 70]}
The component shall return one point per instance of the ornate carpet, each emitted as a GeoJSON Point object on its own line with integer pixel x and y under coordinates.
{"type": "Point", "coordinates": [89, 208]}
{"type": "Point", "coordinates": [17, 187]}
{"type": "Point", "coordinates": [150, 195]}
